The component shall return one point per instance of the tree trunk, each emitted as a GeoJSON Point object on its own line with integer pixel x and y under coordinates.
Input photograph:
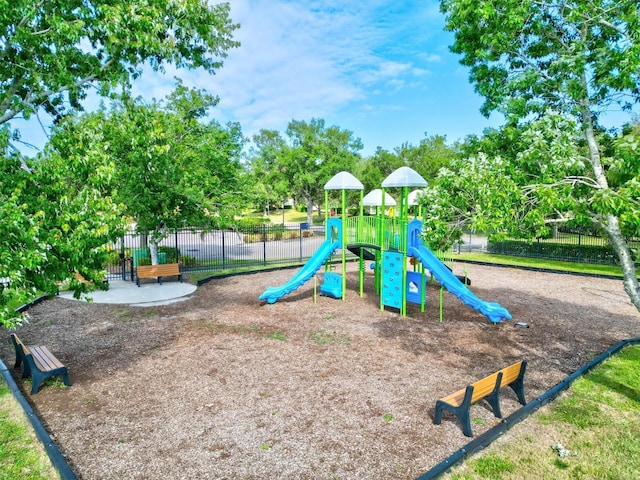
{"type": "Point", "coordinates": [310, 211]}
{"type": "Point", "coordinates": [153, 251]}
{"type": "Point", "coordinates": [630, 279]}
{"type": "Point", "coordinates": [611, 224]}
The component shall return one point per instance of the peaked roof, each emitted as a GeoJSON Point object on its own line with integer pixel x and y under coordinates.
{"type": "Point", "coordinates": [374, 199]}
{"type": "Point", "coordinates": [343, 181]}
{"type": "Point", "coordinates": [404, 177]}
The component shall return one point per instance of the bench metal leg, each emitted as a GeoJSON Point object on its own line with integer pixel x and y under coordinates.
{"type": "Point", "coordinates": [461, 412]}
{"type": "Point", "coordinates": [518, 385]}
{"type": "Point", "coordinates": [494, 397]}
{"type": "Point", "coordinates": [38, 378]}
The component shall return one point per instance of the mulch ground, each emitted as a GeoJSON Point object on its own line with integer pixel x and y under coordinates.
{"type": "Point", "coordinates": [222, 386]}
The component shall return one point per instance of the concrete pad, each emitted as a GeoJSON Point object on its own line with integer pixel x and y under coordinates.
{"type": "Point", "coordinates": [146, 295]}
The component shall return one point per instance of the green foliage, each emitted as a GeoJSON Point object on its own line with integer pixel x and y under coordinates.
{"type": "Point", "coordinates": [299, 165]}
{"type": "Point", "coordinates": [593, 254]}
{"type": "Point", "coordinates": [546, 66]}
{"type": "Point", "coordinates": [172, 253]}
{"type": "Point", "coordinates": [426, 158]}
{"type": "Point", "coordinates": [59, 213]}
{"type": "Point", "coordinates": [55, 50]}
{"type": "Point", "coordinates": [56, 221]}
{"type": "Point", "coordinates": [527, 56]}
{"type": "Point", "coordinates": [168, 169]}
{"type": "Point", "coordinates": [251, 224]}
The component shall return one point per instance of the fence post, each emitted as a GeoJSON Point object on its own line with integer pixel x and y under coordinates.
{"type": "Point", "coordinates": [580, 245]}
{"type": "Point", "coordinates": [123, 261]}
{"type": "Point", "coordinates": [264, 245]}
{"type": "Point", "coordinates": [223, 252]}
{"type": "Point", "coordinates": [300, 242]}
{"type": "Point", "coordinates": [176, 245]}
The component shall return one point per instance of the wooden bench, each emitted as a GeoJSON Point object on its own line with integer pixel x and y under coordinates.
{"type": "Point", "coordinates": [459, 403]}
{"type": "Point", "coordinates": [38, 363]}
{"type": "Point", "coordinates": [165, 270]}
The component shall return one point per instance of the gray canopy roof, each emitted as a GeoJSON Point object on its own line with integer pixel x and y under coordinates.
{"type": "Point", "coordinates": [374, 199]}
{"type": "Point", "coordinates": [404, 177]}
{"type": "Point", "coordinates": [343, 181]}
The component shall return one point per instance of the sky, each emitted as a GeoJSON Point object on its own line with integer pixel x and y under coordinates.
{"type": "Point", "coordinates": [381, 69]}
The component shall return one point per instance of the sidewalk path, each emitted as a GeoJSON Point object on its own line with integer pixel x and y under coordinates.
{"type": "Point", "coordinates": [146, 295]}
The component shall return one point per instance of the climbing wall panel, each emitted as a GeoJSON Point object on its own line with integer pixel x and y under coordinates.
{"type": "Point", "coordinates": [392, 279]}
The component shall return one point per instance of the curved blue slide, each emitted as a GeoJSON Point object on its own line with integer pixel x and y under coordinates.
{"type": "Point", "coordinates": [494, 311]}
{"type": "Point", "coordinates": [272, 294]}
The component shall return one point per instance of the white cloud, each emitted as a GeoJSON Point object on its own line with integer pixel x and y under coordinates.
{"type": "Point", "coordinates": [301, 60]}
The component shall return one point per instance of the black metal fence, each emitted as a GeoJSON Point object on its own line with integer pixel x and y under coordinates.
{"type": "Point", "coordinates": [220, 250]}
{"type": "Point", "coordinates": [268, 245]}
{"type": "Point", "coordinates": [570, 245]}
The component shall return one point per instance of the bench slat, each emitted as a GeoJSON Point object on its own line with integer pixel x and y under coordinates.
{"type": "Point", "coordinates": [146, 271]}
{"type": "Point", "coordinates": [163, 270]}
{"type": "Point", "coordinates": [45, 358]}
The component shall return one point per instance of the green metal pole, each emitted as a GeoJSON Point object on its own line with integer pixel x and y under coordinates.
{"type": "Point", "coordinates": [381, 237]}
{"type": "Point", "coordinates": [344, 245]}
{"type": "Point", "coordinates": [361, 227]}
{"type": "Point", "coordinates": [404, 212]}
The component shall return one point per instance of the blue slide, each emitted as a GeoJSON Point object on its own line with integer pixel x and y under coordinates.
{"type": "Point", "coordinates": [272, 294]}
{"type": "Point", "coordinates": [494, 311]}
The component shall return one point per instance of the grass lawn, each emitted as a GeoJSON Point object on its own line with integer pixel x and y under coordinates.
{"type": "Point", "coordinates": [21, 454]}
{"type": "Point", "coordinates": [290, 216]}
{"type": "Point", "coordinates": [540, 263]}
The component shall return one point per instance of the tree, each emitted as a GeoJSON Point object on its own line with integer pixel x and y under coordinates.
{"type": "Point", "coordinates": [373, 170]}
{"type": "Point", "coordinates": [266, 159]}
{"type": "Point", "coordinates": [426, 158]}
{"type": "Point", "coordinates": [51, 53]}
{"type": "Point", "coordinates": [55, 221]}
{"type": "Point", "coordinates": [309, 156]}
{"type": "Point", "coordinates": [171, 170]}
{"type": "Point", "coordinates": [577, 58]}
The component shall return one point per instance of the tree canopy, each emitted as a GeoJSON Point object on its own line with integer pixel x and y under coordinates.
{"type": "Point", "coordinates": [53, 51]}
{"type": "Point", "coordinates": [170, 169]}
{"type": "Point", "coordinates": [555, 62]}
{"type": "Point", "coordinates": [57, 220]}
{"type": "Point", "coordinates": [305, 159]}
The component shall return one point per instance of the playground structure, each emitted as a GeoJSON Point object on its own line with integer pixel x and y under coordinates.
{"type": "Point", "coordinates": [388, 241]}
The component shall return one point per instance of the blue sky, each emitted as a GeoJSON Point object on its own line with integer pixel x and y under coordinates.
{"type": "Point", "coordinates": [381, 69]}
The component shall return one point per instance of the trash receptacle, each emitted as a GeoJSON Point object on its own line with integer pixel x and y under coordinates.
{"type": "Point", "coordinates": [138, 254]}
{"type": "Point", "coordinates": [304, 226]}
{"type": "Point", "coordinates": [162, 258]}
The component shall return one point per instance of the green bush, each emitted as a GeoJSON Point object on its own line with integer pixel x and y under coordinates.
{"type": "Point", "coordinates": [113, 258]}
{"type": "Point", "coordinates": [251, 224]}
{"type": "Point", "coordinates": [144, 261]}
{"type": "Point", "coordinates": [597, 254]}
{"type": "Point", "coordinates": [172, 253]}
{"type": "Point", "coordinates": [188, 260]}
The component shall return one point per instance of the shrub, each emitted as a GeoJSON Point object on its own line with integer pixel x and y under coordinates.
{"type": "Point", "coordinates": [597, 254]}
{"type": "Point", "coordinates": [188, 260]}
{"type": "Point", "coordinates": [172, 253]}
{"type": "Point", "coordinates": [251, 224]}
